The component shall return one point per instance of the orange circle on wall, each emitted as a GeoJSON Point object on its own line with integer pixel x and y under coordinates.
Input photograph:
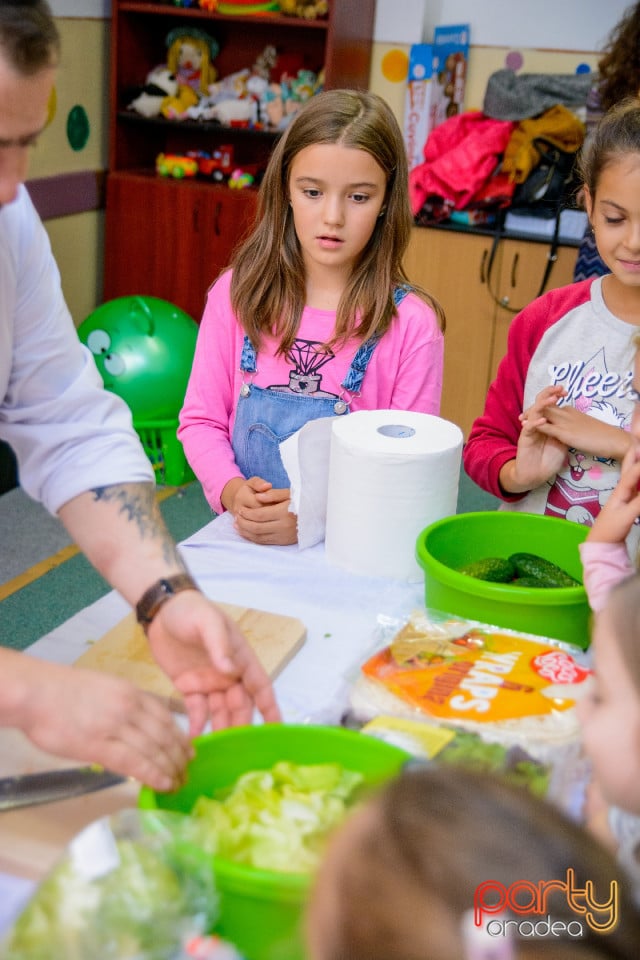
{"type": "Point", "coordinates": [395, 66]}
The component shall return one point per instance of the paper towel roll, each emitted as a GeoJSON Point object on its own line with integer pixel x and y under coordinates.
{"type": "Point", "coordinates": [391, 473]}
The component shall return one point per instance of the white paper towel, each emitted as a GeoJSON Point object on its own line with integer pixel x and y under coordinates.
{"type": "Point", "coordinates": [390, 474]}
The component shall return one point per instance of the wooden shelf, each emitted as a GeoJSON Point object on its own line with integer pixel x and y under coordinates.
{"type": "Point", "coordinates": [197, 13]}
{"type": "Point", "coordinates": [170, 239]}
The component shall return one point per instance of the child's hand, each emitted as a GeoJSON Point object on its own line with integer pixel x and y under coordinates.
{"type": "Point", "coordinates": [584, 433]}
{"type": "Point", "coordinates": [262, 514]}
{"type": "Point", "coordinates": [538, 457]}
{"type": "Point", "coordinates": [615, 520]}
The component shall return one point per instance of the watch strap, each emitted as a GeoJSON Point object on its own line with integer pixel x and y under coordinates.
{"type": "Point", "coordinates": [158, 593]}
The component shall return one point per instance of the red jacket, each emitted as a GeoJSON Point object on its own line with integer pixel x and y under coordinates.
{"type": "Point", "coordinates": [460, 155]}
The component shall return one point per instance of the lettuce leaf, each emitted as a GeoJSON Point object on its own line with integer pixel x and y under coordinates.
{"type": "Point", "coordinates": [277, 819]}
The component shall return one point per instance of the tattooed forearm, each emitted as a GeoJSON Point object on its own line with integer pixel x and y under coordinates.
{"type": "Point", "coordinates": [137, 501]}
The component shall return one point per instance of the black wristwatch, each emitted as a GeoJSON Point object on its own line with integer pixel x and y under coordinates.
{"type": "Point", "coordinates": [158, 593]}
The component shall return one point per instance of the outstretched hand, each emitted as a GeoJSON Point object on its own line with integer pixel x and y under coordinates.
{"type": "Point", "coordinates": [210, 663]}
{"type": "Point", "coordinates": [97, 718]}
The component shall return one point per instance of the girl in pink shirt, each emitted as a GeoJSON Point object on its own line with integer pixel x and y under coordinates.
{"type": "Point", "coordinates": [315, 316]}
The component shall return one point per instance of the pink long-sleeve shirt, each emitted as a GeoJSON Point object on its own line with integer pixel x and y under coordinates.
{"type": "Point", "coordinates": [405, 373]}
{"type": "Point", "coordinates": [604, 565]}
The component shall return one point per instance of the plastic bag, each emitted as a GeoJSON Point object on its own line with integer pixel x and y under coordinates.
{"type": "Point", "coordinates": [128, 887]}
{"type": "Point", "coordinates": [510, 687]}
{"type": "Point", "coordinates": [458, 658]}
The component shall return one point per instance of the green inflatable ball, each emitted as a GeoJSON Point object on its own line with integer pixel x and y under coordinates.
{"type": "Point", "coordinates": [143, 348]}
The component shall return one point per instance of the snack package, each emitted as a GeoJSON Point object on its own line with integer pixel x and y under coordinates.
{"type": "Point", "coordinates": [508, 687]}
{"type": "Point", "coordinates": [133, 886]}
{"type": "Point", "coordinates": [460, 747]}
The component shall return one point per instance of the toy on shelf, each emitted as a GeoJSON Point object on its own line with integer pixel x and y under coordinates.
{"type": "Point", "coordinates": [303, 8]}
{"type": "Point", "coordinates": [160, 84]}
{"type": "Point", "coordinates": [264, 95]}
{"type": "Point", "coordinates": [247, 7]}
{"type": "Point", "coordinates": [283, 100]}
{"type": "Point", "coordinates": [217, 165]}
{"type": "Point", "coordinates": [190, 57]}
{"type": "Point", "coordinates": [240, 179]}
{"type": "Point", "coordinates": [175, 87]}
{"type": "Point", "coordinates": [176, 165]}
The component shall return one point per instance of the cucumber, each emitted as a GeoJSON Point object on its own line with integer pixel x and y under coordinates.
{"type": "Point", "coordinates": [494, 569]}
{"type": "Point", "coordinates": [547, 573]}
{"type": "Point", "coordinates": [528, 582]}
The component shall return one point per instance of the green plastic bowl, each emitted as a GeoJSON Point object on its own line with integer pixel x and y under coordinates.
{"type": "Point", "coordinates": [443, 547]}
{"type": "Point", "coordinates": [261, 910]}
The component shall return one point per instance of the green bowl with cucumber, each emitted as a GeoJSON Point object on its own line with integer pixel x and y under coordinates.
{"type": "Point", "coordinates": [515, 570]}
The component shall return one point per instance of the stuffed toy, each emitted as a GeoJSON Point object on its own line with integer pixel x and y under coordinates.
{"type": "Point", "coordinates": [190, 57]}
{"type": "Point", "coordinates": [176, 107]}
{"type": "Point", "coordinates": [159, 85]}
{"type": "Point", "coordinates": [304, 9]}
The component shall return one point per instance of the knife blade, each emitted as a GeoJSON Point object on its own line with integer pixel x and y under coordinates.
{"type": "Point", "coordinates": [50, 785]}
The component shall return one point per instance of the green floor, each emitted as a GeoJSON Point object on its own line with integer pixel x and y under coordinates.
{"type": "Point", "coordinates": [29, 535]}
{"type": "Point", "coordinates": [40, 606]}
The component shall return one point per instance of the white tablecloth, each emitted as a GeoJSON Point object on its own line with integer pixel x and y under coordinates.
{"type": "Point", "coordinates": [339, 609]}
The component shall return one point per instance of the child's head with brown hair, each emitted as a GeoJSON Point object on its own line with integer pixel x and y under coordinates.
{"type": "Point", "coordinates": [617, 135]}
{"type": "Point", "coordinates": [619, 65]}
{"type": "Point", "coordinates": [268, 288]}
{"type": "Point", "coordinates": [610, 716]}
{"type": "Point", "coordinates": [401, 876]}
{"type": "Point", "coordinates": [610, 168]}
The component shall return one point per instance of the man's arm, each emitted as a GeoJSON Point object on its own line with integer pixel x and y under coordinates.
{"type": "Point", "coordinates": [121, 531]}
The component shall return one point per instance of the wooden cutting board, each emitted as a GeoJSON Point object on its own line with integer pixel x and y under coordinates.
{"type": "Point", "coordinates": [124, 650]}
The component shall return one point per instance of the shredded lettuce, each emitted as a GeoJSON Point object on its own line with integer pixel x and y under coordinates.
{"type": "Point", "coordinates": [277, 819]}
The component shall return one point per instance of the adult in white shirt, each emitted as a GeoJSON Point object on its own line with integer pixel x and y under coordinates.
{"type": "Point", "coordinates": [78, 454]}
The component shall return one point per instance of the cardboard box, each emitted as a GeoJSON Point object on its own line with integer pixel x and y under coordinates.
{"type": "Point", "coordinates": [450, 59]}
{"type": "Point", "coordinates": [417, 109]}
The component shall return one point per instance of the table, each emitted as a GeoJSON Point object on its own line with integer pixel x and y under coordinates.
{"type": "Point", "coordinates": [342, 613]}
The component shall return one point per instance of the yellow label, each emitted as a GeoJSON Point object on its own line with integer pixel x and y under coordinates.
{"type": "Point", "coordinates": [429, 738]}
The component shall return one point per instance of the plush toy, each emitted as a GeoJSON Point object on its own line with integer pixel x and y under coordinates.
{"type": "Point", "coordinates": [160, 84]}
{"type": "Point", "coordinates": [304, 9]}
{"type": "Point", "coordinates": [190, 57]}
{"type": "Point", "coordinates": [176, 107]}
{"type": "Point", "coordinates": [240, 112]}
{"type": "Point", "coordinates": [281, 101]}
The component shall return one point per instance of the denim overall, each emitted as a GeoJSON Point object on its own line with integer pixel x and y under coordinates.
{"type": "Point", "coordinates": [266, 416]}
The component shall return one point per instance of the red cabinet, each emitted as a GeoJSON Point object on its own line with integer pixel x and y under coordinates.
{"type": "Point", "coordinates": [169, 238]}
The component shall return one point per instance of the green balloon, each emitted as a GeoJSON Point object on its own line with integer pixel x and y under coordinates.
{"type": "Point", "coordinates": [78, 128]}
{"type": "Point", "coordinates": [143, 348]}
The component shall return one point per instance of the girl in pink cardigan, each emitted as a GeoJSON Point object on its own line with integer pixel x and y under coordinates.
{"type": "Point", "coordinates": [315, 316]}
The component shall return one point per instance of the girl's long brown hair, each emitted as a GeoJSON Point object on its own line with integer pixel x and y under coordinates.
{"type": "Point", "coordinates": [268, 284]}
